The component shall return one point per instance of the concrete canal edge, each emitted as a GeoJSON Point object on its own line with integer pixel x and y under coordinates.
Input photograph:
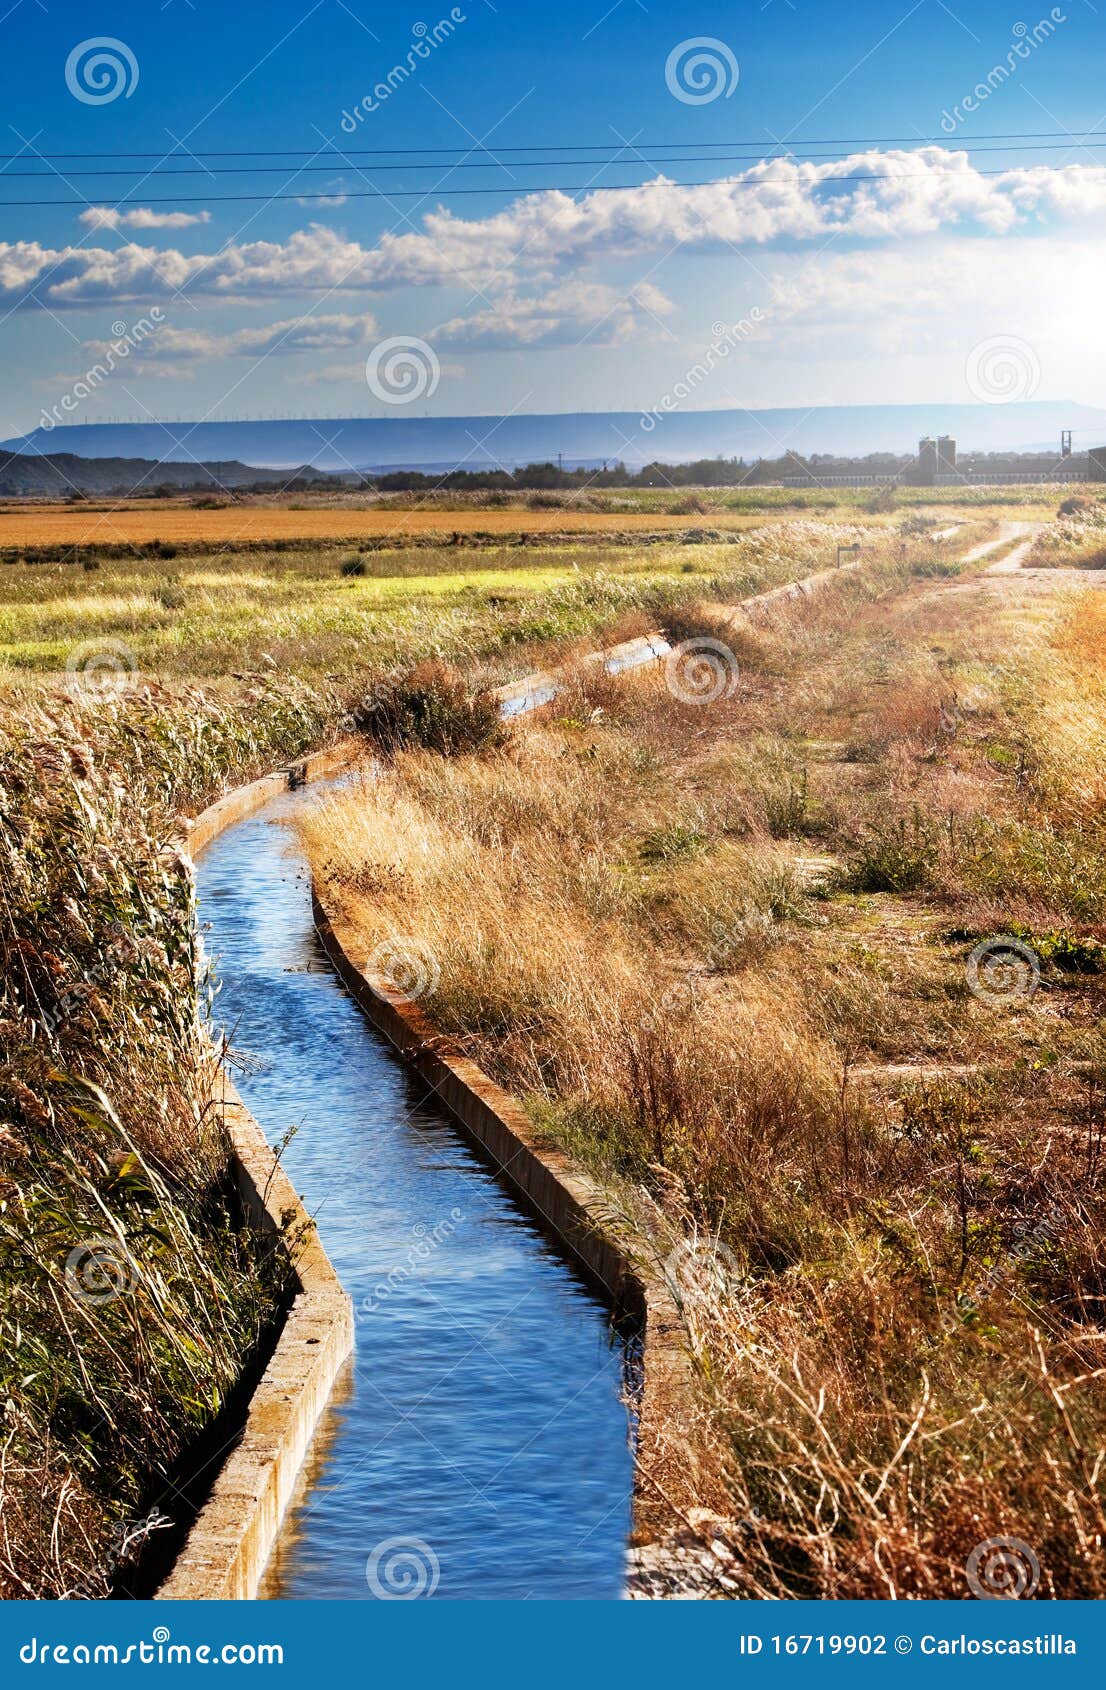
{"type": "Point", "coordinates": [534, 691]}
{"type": "Point", "coordinates": [232, 1537]}
{"type": "Point", "coordinates": [569, 1204]}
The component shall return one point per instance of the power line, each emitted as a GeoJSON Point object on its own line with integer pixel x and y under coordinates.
{"type": "Point", "coordinates": [588, 147]}
{"type": "Point", "coordinates": [454, 193]}
{"type": "Point", "coordinates": [612, 162]}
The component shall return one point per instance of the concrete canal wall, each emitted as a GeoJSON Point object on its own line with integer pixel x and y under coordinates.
{"type": "Point", "coordinates": [232, 1537]}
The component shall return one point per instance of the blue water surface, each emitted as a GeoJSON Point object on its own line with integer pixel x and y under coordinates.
{"type": "Point", "coordinates": [478, 1447]}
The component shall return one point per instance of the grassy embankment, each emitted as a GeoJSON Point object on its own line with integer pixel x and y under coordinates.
{"type": "Point", "coordinates": [1077, 540]}
{"type": "Point", "coordinates": [681, 932]}
{"type": "Point", "coordinates": [128, 1301]}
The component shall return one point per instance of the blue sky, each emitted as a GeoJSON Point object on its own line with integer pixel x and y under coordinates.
{"type": "Point", "coordinates": [842, 292]}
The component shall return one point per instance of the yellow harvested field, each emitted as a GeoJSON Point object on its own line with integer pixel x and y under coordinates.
{"type": "Point", "coordinates": [127, 524]}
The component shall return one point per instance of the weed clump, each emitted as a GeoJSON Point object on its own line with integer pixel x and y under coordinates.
{"type": "Point", "coordinates": [672, 843]}
{"type": "Point", "coordinates": [432, 707]}
{"type": "Point", "coordinates": [172, 595]}
{"type": "Point", "coordinates": [900, 856]}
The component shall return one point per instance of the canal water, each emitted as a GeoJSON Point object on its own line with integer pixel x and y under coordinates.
{"type": "Point", "coordinates": [478, 1446]}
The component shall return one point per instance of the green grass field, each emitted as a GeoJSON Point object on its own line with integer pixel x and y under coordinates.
{"type": "Point", "coordinates": [206, 616]}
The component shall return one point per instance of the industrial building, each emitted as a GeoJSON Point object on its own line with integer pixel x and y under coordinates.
{"type": "Point", "coordinates": [936, 464]}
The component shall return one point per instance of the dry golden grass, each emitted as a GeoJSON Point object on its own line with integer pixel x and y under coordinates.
{"type": "Point", "coordinates": [180, 524]}
{"type": "Point", "coordinates": [1077, 539]}
{"type": "Point", "coordinates": [898, 1294]}
{"type": "Point", "coordinates": [1073, 707]}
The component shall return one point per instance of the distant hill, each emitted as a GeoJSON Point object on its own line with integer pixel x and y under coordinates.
{"type": "Point", "coordinates": [63, 472]}
{"type": "Point", "coordinates": [588, 437]}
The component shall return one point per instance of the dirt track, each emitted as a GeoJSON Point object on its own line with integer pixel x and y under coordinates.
{"type": "Point", "coordinates": [1014, 568]}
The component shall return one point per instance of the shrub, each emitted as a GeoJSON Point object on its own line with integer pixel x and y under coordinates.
{"type": "Point", "coordinates": [934, 568]}
{"type": "Point", "coordinates": [1070, 952]}
{"type": "Point", "coordinates": [787, 808]}
{"type": "Point", "coordinates": [680, 622]}
{"type": "Point", "coordinates": [672, 843]}
{"type": "Point", "coordinates": [432, 707]}
{"type": "Point", "coordinates": [899, 857]}
{"type": "Point", "coordinates": [171, 596]}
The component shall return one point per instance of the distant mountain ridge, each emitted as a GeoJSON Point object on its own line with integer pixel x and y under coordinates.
{"type": "Point", "coordinates": [587, 437]}
{"type": "Point", "coordinates": [63, 472]}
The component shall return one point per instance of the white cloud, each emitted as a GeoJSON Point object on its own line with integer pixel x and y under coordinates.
{"type": "Point", "coordinates": [142, 217]}
{"type": "Point", "coordinates": [946, 280]}
{"type": "Point", "coordinates": [298, 334]}
{"type": "Point", "coordinates": [331, 375]}
{"type": "Point", "coordinates": [542, 235]}
{"type": "Point", "coordinates": [588, 314]}
{"type": "Point", "coordinates": [908, 317]}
